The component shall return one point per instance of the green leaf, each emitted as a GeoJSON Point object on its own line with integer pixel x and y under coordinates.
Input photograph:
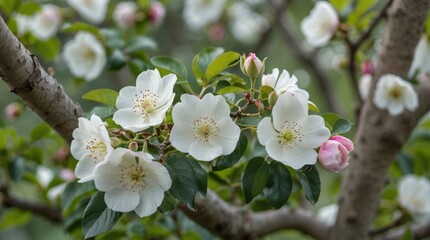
{"type": "Point", "coordinates": [102, 111]}
{"type": "Point", "coordinates": [140, 43]}
{"type": "Point", "coordinates": [16, 168]}
{"type": "Point", "coordinates": [279, 185]}
{"type": "Point", "coordinates": [330, 119]}
{"type": "Point", "coordinates": [265, 91]}
{"type": "Point", "coordinates": [230, 160]}
{"type": "Point", "coordinates": [222, 62]}
{"type": "Point", "coordinates": [254, 178]}
{"type": "Point", "coordinates": [29, 8]}
{"type": "Point", "coordinates": [80, 26]}
{"type": "Point", "coordinates": [13, 217]}
{"type": "Point", "coordinates": [407, 235]}
{"type": "Point", "coordinates": [47, 49]}
{"type": "Point", "coordinates": [231, 89]}
{"type": "Point", "coordinates": [341, 126]}
{"type": "Point", "coordinates": [406, 163]}
{"type": "Point", "coordinates": [10, 6]}
{"type": "Point", "coordinates": [170, 65]}
{"type": "Point", "coordinates": [116, 60]}
{"type": "Point", "coordinates": [103, 95]}
{"type": "Point", "coordinates": [188, 178]}
{"type": "Point", "coordinates": [97, 217]}
{"type": "Point", "coordinates": [201, 62]}
{"type": "Point", "coordinates": [137, 66]}
{"type": "Point", "coordinates": [313, 107]}
{"type": "Point", "coordinates": [168, 204]}
{"type": "Point", "coordinates": [73, 192]}
{"type": "Point", "coordinates": [310, 180]}
{"type": "Point", "coordinates": [40, 131]}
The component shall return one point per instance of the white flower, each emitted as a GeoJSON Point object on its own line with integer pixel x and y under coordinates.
{"type": "Point", "coordinates": [91, 146]}
{"type": "Point", "coordinates": [92, 10]}
{"type": "Point", "coordinates": [292, 135]}
{"type": "Point", "coordinates": [85, 56]}
{"type": "Point", "coordinates": [46, 22]}
{"type": "Point", "coordinates": [414, 196]}
{"type": "Point", "coordinates": [395, 94]}
{"type": "Point", "coordinates": [421, 59]}
{"type": "Point", "coordinates": [56, 191]}
{"type": "Point", "coordinates": [364, 85]}
{"type": "Point", "coordinates": [132, 181]}
{"type": "Point", "coordinates": [328, 214]}
{"type": "Point", "coordinates": [23, 23]}
{"type": "Point", "coordinates": [283, 83]}
{"type": "Point", "coordinates": [203, 127]}
{"type": "Point", "coordinates": [44, 175]}
{"type": "Point", "coordinates": [199, 13]}
{"type": "Point", "coordinates": [246, 25]}
{"type": "Point", "coordinates": [320, 25]}
{"type": "Point", "coordinates": [125, 14]}
{"type": "Point", "coordinates": [146, 104]}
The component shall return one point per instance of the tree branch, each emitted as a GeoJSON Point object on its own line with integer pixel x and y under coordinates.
{"type": "Point", "coordinates": [231, 222]}
{"type": "Point", "coordinates": [39, 90]}
{"type": "Point", "coordinates": [419, 231]}
{"type": "Point", "coordinates": [379, 135]}
{"type": "Point", "coordinates": [309, 59]}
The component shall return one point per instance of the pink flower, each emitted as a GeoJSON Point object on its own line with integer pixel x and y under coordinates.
{"type": "Point", "coordinates": [156, 13]}
{"type": "Point", "coordinates": [334, 154]}
{"type": "Point", "coordinates": [252, 66]}
{"type": "Point", "coordinates": [367, 67]}
{"type": "Point", "coordinates": [125, 14]}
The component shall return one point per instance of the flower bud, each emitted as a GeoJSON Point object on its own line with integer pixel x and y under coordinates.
{"type": "Point", "coordinates": [125, 14]}
{"type": "Point", "coordinates": [156, 13]}
{"type": "Point", "coordinates": [367, 67]}
{"type": "Point", "coordinates": [259, 105]}
{"type": "Point", "coordinates": [252, 65]}
{"type": "Point", "coordinates": [273, 97]}
{"type": "Point", "coordinates": [334, 154]}
{"type": "Point", "coordinates": [13, 110]}
{"type": "Point", "coordinates": [67, 174]}
{"type": "Point", "coordinates": [62, 154]}
{"type": "Point", "coordinates": [133, 146]}
{"type": "Point", "coordinates": [115, 141]}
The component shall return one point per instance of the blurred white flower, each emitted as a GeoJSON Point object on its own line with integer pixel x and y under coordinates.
{"type": "Point", "coordinates": [44, 175]}
{"type": "Point", "coordinates": [414, 196]}
{"type": "Point", "coordinates": [292, 136]}
{"type": "Point", "coordinates": [245, 24]}
{"type": "Point", "coordinates": [328, 214]}
{"type": "Point", "coordinates": [203, 127]}
{"type": "Point", "coordinates": [364, 84]}
{"type": "Point", "coordinates": [132, 181]}
{"type": "Point", "coordinates": [125, 14]}
{"type": "Point", "coordinates": [45, 23]}
{"type": "Point", "coordinates": [283, 83]}
{"type": "Point", "coordinates": [85, 56]}
{"type": "Point", "coordinates": [56, 191]}
{"type": "Point", "coordinates": [146, 104]}
{"type": "Point", "coordinates": [90, 146]}
{"type": "Point", "coordinates": [320, 25]}
{"type": "Point", "coordinates": [92, 10]}
{"type": "Point", "coordinates": [395, 94]}
{"type": "Point", "coordinates": [23, 23]}
{"type": "Point", "coordinates": [199, 13]}
{"type": "Point", "coordinates": [421, 60]}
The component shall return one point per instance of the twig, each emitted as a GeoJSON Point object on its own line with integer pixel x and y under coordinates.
{"type": "Point", "coordinates": [397, 223]}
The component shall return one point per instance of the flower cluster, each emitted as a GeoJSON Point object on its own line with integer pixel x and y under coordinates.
{"type": "Point", "coordinates": [205, 127]}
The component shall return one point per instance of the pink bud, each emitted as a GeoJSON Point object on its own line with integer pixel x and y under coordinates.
{"type": "Point", "coordinates": [367, 67]}
{"type": "Point", "coordinates": [156, 13]}
{"type": "Point", "coordinates": [125, 14]}
{"type": "Point", "coordinates": [13, 110]}
{"type": "Point", "coordinates": [216, 33]}
{"type": "Point", "coordinates": [333, 156]}
{"type": "Point", "coordinates": [252, 66]}
{"type": "Point", "coordinates": [62, 154]}
{"type": "Point", "coordinates": [348, 144]}
{"type": "Point", "coordinates": [67, 174]}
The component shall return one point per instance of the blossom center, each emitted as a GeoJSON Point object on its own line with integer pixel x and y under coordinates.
{"type": "Point", "coordinates": [290, 135]}
{"type": "Point", "coordinates": [417, 202]}
{"type": "Point", "coordinates": [145, 102]}
{"type": "Point", "coordinates": [89, 53]}
{"type": "Point", "coordinates": [204, 129]}
{"type": "Point", "coordinates": [97, 149]}
{"type": "Point", "coordinates": [396, 92]}
{"type": "Point", "coordinates": [132, 178]}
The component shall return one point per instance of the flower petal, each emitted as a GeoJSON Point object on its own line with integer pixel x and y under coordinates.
{"type": "Point", "coordinates": [265, 131]}
{"type": "Point", "coordinates": [289, 108]}
{"type": "Point", "coordinates": [121, 200]}
{"type": "Point", "coordinates": [314, 131]}
{"type": "Point", "coordinates": [150, 199]}
{"type": "Point", "coordinates": [204, 151]}
{"type": "Point", "coordinates": [181, 136]}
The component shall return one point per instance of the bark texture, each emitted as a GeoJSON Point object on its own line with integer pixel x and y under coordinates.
{"type": "Point", "coordinates": [380, 136]}
{"type": "Point", "coordinates": [40, 91]}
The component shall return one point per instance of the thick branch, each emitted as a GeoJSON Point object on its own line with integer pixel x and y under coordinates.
{"type": "Point", "coordinates": [380, 135]}
{"type": "Point", "coordinates": [309, 59]}
{"type": "Point", "coordinates": [230, 222]}
{"type": "Point", "coordinates": [40, 91]}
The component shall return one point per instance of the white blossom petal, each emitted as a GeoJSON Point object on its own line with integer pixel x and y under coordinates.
{"type": "Point", "coordinates": [314, 131]}
{"type": "Point", "coordinates": [121, 200]}
{"type": "Point", "coordinates": [265, 131]}
{"type": "Point", "coordinates": [288, 108]}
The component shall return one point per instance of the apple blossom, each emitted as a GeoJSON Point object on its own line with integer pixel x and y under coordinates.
{"type": "Point", "coordinates": [92, 10]}
{"type": "Point", "coordinates": [320, 25]}
{"type": "Point", "coordinates": [328, 214]}
{"type": "Point", "coordinates": [125, 14]}
{"type": "Point", "coordinates": [395, 94]}
{"type": "Point", "coordinates": [364, 84]}
{"type": "Point", "coordinates": [44, 175]}
{"type": "Point", "coordinates": [199, 13]}
{"type": "Point", "coordinates": [421, 60]}
{"type": "Point", "coordinates": [85, 56]}
{"type": "Point", "coordinates": [292, 135]}
{"type": "Point", "coordinates": [414, 196]}
{"type": "Point", "coordinates": [146, 104]}
{"type": "Point", "coordinates": [90, 146]}
{"type": "Point", "coordinates": [251, 65]}
{"type": "Point", "coordinates": [156, 12]}
{"type": "Point", "coordinates": [334, 154]}
{"type": "Point", "coordinates": [203, 127]}
{"type": "Point", "coordinates": [132, 181]}
{"type": "Point", "coordinates": [283, 83]}
{"type": "Point", "coordinates": [45, 23]}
